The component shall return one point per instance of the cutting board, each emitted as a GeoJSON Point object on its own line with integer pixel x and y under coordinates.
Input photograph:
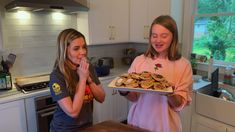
{"type": "Point", "coordinates": [23, 81]}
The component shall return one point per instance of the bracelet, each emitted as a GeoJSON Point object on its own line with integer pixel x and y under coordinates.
{"type": "Point", "coordinates": [89, 82]}
{"type": "Point", "coordinates": [124, 94]}
{"type": "Point", "coordinates": [169, 95]}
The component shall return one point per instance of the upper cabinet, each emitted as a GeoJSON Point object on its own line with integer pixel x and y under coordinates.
{"type": "Point", "coordinates": [107, 21]}
{"type": "Point", "coordinates": [142, 13]}
{"type": "Point", "coordinates": [1, 41]}
{"type": "Point", "coordinates": [116, 21]}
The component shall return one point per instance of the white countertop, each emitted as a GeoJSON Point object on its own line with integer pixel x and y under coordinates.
{"type": "Point", "coordinates": [200, 84]}
{"type": "Point", "coordinates": [14, 94]}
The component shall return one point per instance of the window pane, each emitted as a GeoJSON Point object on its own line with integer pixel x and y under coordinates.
{"type": "Point", "coordinates": [215, 6]}
{"type": "Point", "coordinates": [215, 36]}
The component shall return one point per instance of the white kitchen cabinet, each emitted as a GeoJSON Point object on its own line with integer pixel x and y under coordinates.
{"type": "Point", "coordinates": [1, 40]}
{"type": "Point", "coordinates": [13, 117]}
{"type": "Point", "coordinates": [203, 124]}
{"type": "Point", "coordinates": [108, 21]}
{"type": "Point", "coordinates": [31, 114]}
{"type": "Point", "coordinates": [142, 13]}
{"type": "Point", "coordinates": [185, 116]}
{"type": "Point", "coordinates": [115, 107]}
{"type": "Point", "coordinates": [230, 129]}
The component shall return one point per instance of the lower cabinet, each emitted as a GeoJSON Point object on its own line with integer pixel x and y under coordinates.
{"type": "Point", "coordinates": [230, 129]}
{"type": "Point", "coordinates": [115, 107]}
{"type": "Point", "coordinates": [204, 124]}
{"type": "Point", "coordinates": [13, 117]}
{"type": "Point", "coordinates": [31, 114]}
{"type": "Point", "coordinates": [185, 116]}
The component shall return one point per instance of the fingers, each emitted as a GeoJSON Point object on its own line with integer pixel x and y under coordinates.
{"type": "Point", "coordinates": [84, 64]}
{"type": "Point", "coordinates": [83, 69]}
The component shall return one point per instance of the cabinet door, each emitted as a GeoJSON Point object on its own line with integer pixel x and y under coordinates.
{"type": "Point", "coordinates": [120, 21]}
{"type": "Point", "coordinates": [142, 13]}
{"type": "Point", "coordinates": [120, 107]}
{"type": "Point", "coordinates": [185, 116]}
{"type": "Point", "coordinates": [104, 111]}
{"type": "Point", "coordinates": [31, 114]}
{"type": "Point", "coordinates": [108, 21]}
{"type": "Point", "coordinates": [157, 8]}
{"type": "Point", "coordinates": [230, 129]}
{"type": "Point", "coordinates": [99, 19]}
{"type": "Point", "coordinates": [139, 21]}
{"type": "Point", "coordinates": [114, 107]}
{"type": "Point", "coordinates": [203, 124]}
{"type": "Point", "coordinates": [13, 118]}
{"type": "Point", "coordinates": [1, 40]}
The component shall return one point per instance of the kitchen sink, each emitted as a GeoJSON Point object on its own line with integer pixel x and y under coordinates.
{"type": "Point", "coordinates": [210, 105]}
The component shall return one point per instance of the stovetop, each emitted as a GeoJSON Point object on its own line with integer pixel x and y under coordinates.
{"type": "Point", "coordinates": [32, 83]}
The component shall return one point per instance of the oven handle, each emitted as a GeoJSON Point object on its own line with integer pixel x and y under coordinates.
{"type": "Point", "coordinates": [47, 114]}
{"type": "Point", "coordinates": [47, 111]}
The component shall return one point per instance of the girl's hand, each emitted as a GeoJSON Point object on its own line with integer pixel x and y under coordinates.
{"type": "Point", "coordinates": [83, 69]}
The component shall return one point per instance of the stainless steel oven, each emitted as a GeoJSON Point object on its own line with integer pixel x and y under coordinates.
{"type": "Point", "coordinates": [45, 108]}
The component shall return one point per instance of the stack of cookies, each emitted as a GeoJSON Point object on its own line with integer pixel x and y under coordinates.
{"type": "Point", "coordinates": [145, 80]}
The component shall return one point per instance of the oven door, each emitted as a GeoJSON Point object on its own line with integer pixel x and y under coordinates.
{"type": "Point", "coordinates": [45, 108]}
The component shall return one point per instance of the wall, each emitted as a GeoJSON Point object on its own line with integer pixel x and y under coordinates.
{"type": "Point", "coordinates": [32, 38]}
{"type": "Point", "coordinates": [114, 50]}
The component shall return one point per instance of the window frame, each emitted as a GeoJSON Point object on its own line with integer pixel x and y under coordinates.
{"type": "Point", "coordinates": [190, 13]}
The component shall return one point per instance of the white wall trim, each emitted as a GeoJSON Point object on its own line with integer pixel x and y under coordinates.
{"type": "Point", "coordinates": [187, 36]}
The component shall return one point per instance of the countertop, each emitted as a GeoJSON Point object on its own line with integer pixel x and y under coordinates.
{"type": "Point", "coordinates": [14, 94]}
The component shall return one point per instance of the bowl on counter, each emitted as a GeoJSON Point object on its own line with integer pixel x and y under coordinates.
{"type": "Point", "coordinates": [102, 70]}
{"type": "Point", "coordinates": [197, 78]}
{"type": "Point", "coordinates": [106, 61]}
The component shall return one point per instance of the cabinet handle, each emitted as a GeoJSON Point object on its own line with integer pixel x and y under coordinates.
{"type": "Point", "coordinates": [112, 32]}
{"type": "Point", "coordinates": [47, 114]}
{"type": "Point", "coordinates": [114, 92]}
{"type": "Point", "coordinates": [47, 111]}
{"type": "Point", "coordinates": [146, 32]}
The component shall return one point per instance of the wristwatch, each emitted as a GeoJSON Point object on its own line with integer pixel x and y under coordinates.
{"type": "Point", "coordinates": [123, 93]}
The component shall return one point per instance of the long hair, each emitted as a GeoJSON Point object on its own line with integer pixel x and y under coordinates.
{"type": "Point", "coordinates": [169, 23]}
{"type": "Point", "coordinates": [63, 41]}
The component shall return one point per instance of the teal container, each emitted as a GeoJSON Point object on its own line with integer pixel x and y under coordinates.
{"type": "Point", "coordinates": [5, 81]}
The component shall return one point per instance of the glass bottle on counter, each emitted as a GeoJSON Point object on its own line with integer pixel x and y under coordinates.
{"type": "Point", "coordinates": [210, 67]}
{"type": "Point", "coordinates": [5, 80]}
{"type": "Point", "coordinates": [228, 75]}
{"type": "Point", "coordinates": [233, 79]}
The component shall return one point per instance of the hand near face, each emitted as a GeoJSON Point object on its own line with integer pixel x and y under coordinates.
{"type": "Point", "coordinates": [83, 69]}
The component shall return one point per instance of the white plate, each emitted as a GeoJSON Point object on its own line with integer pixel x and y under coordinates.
{"type": "Point", "coordinates": [165, 91]}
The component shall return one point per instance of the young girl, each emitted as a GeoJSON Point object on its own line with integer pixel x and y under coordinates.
{"type": "Point", "coordinates": [152, 111]}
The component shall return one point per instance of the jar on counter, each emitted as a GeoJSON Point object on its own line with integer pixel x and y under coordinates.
{"type": "Point", "coordinates": [228, 75]}
{"type": "Point", "coordinates": [233, 79]}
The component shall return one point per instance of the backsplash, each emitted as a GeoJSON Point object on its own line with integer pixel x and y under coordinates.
{"type": "Point", "coordinates": [114, 50]}
{"type": "Point", "coordinates": [33, 38]}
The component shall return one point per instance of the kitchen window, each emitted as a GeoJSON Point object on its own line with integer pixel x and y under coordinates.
{"type": "Point", "coordinates": [214, 30]}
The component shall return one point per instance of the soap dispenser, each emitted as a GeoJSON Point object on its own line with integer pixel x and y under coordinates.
{"type": "Point", "coordinates": [210, 67]}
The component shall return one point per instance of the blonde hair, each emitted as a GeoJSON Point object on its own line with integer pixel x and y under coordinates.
{"type": "Point", "coordinates": [63, 41]}
{"type": "Point", "coordinates": [169, 23]}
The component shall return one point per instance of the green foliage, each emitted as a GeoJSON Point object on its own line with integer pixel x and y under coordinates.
{"type": "Point", "coordinates": [219, 38]}
{"type": "Point", "coordinates": [215, 6]}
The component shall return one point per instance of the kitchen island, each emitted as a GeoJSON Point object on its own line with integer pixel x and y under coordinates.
{"type": "Point", "coordinates": [113, 126]}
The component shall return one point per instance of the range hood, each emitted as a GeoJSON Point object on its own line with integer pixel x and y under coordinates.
{"type": "Point", "coordinates": [48, 5]}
